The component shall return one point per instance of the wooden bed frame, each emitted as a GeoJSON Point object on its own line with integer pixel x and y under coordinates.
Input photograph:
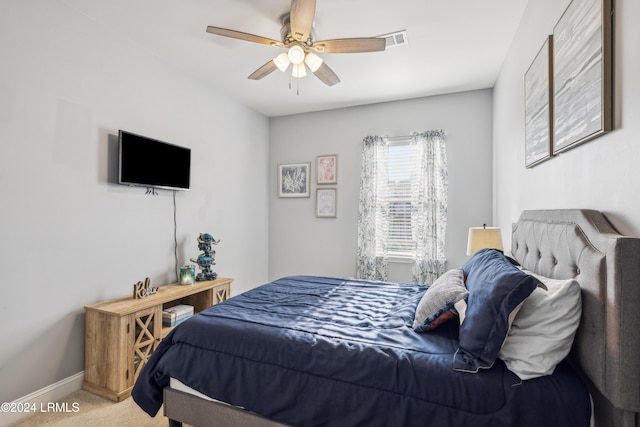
{"type": "Point", "coordinates": [559, 244]}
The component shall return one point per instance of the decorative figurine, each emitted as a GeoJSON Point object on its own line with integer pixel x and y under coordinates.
{"type": "Point", "coordinates": [207, 258]}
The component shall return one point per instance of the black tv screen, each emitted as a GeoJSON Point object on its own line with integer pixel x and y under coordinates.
{"type": "Point", "coordinates": [147, 162]}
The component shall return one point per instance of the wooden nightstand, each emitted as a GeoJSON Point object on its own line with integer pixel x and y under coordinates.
{"type": "Point", "coordinates": [122, 333]}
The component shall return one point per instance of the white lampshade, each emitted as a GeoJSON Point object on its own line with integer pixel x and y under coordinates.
{"type": "Point", "coordinates": [296, 55]}
{"type": "Point", "coordinates": [282, 61]}
{"type": "Point", "coordinates": [298, 70]}
{"type": "Point", "coordinates": [483, 237]}
{"type": "Point", "coordinates": [313, 61]}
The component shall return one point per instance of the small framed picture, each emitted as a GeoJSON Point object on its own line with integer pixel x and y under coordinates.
{"type": "Point", "coordinates": [293, 179]}
{"type": "Point", "coordinates": [326, 202]}
{"type": "Point", "coordinates": [327, 169]}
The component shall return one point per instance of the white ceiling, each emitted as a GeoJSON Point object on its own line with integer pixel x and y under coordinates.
{"type": "Point", "coordinates": [454, 45]}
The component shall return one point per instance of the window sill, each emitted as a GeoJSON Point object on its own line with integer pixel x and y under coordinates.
{"type": "Point", "coordinates": [400, 259]}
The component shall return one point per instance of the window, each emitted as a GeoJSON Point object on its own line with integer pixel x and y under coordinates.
{"type": "Point", "coordinates": [400, 242]}
{"type": "Point", "coordinates": [403, 205]}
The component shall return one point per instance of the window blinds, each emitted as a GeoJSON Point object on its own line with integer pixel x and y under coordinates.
{"type": "Point", "coordinates": [402, 163]}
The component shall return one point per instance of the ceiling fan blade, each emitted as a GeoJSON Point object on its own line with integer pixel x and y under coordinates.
{"type": "Point", "coordinates": [243, 36]}
{"type": "Point", "coordinates": [263, 71]}
{"type": "Point", "coordinates": [355, 45]}
{"type": "Point", "coordinates": [327, 75]}
{"type": "Point", "coordinates": [302, 14]}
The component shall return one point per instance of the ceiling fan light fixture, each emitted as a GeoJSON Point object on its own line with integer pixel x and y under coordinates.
{"type": "Point", "coordinates": [296, 55]}
{"type": "Point", "coordinates": [282, 61]}
{"type": "Point", "coordinates": [313, 61]}
{"type": "Point", "coordinates": [298, 70]}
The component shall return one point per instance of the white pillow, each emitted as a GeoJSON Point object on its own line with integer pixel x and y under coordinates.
{"type": "Point", "coordinates": [543, 330]}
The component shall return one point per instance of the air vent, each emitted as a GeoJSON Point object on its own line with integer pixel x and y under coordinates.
{"type": "Point", "coordinates": [395, 39]}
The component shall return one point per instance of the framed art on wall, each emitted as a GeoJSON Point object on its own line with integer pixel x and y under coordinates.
{"type": "Point", "coordinates": [582, 89]}
{"type": "Point", "coordinates": [293, 179]}
{"type": "Point", "coordinates": [538, 90]}
{"type": "Point", "coordinates": [326, 202]}
{"type": "Point", "coordinates": [327, 169]}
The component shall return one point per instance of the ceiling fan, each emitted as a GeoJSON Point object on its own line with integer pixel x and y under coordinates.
{"type": "Point", "coordinates": [297, 38]}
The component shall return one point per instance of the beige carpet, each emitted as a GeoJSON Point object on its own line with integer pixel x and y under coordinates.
{"type": "Point", "coordinates": [95, 411]}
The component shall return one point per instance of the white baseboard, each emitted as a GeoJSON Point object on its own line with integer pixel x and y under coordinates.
{"type": "Point", "coordinates": [50, 393]}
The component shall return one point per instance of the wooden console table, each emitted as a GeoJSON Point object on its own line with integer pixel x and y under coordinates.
{"type": "Point", "coordinates": [122, 333]}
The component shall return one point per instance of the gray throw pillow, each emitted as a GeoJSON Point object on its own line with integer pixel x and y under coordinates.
{"type": "Point", "coordinates": [437, 303]}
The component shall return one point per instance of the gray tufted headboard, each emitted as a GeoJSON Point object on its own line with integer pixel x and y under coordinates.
{"type": "Point", "coordinates": [582, 244]}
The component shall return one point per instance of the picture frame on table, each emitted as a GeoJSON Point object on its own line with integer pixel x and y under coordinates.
{"type": "Point", "coordinates": [582, 73]}
{"type": "Point", "coordinates": [326, 201]}
{"type": "Point", "coordinates": [327, 169]}
{"type": "Point", "coordinates": [538, 92]}
{"type": "Point", "coordinates": [293, 179]}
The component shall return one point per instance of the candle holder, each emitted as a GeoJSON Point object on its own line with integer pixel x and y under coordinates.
{"type": "Point", "coordinates": [187, 274]}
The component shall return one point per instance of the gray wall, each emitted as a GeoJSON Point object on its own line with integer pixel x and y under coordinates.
{"type": "Point", "coordinates": [69, 236]}
{"type": "Point", "coordinates": [300, 243]}
{"type": "Point", "coordinates": [601, 174]}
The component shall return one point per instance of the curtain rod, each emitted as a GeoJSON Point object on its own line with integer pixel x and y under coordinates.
{"type": "Point", "coordinates": [403, 138]}
{"type": "Point", "coordinates": [398, 138]}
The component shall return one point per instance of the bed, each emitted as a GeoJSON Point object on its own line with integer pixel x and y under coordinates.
{"type": "Point", "coordinates": [349, 352]}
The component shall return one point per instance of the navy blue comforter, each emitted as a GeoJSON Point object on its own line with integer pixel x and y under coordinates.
{"type": "Point", "coordinates": [313, 351]}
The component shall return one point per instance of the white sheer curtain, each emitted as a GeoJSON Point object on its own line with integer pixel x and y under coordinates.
{"type": "Point", "coordinates": [372, 254]}
{"type": "Point", "coordinates": [429, 184]}
{"type": "Point", "coordinates": [429, 200]}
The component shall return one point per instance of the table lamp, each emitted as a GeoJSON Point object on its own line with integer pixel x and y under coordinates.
{"type": "Point", "coordinates": [483, 237]}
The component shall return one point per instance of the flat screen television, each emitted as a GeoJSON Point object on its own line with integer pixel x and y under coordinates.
{"type": "Point", "coordinates": [147, 162]}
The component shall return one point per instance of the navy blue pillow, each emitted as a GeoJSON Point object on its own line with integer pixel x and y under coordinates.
{"type": "Point", "coordinates": [496, 289]}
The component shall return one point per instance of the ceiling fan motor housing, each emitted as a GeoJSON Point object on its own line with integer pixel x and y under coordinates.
{"type": "Point", "coordinates": [287, 38]}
